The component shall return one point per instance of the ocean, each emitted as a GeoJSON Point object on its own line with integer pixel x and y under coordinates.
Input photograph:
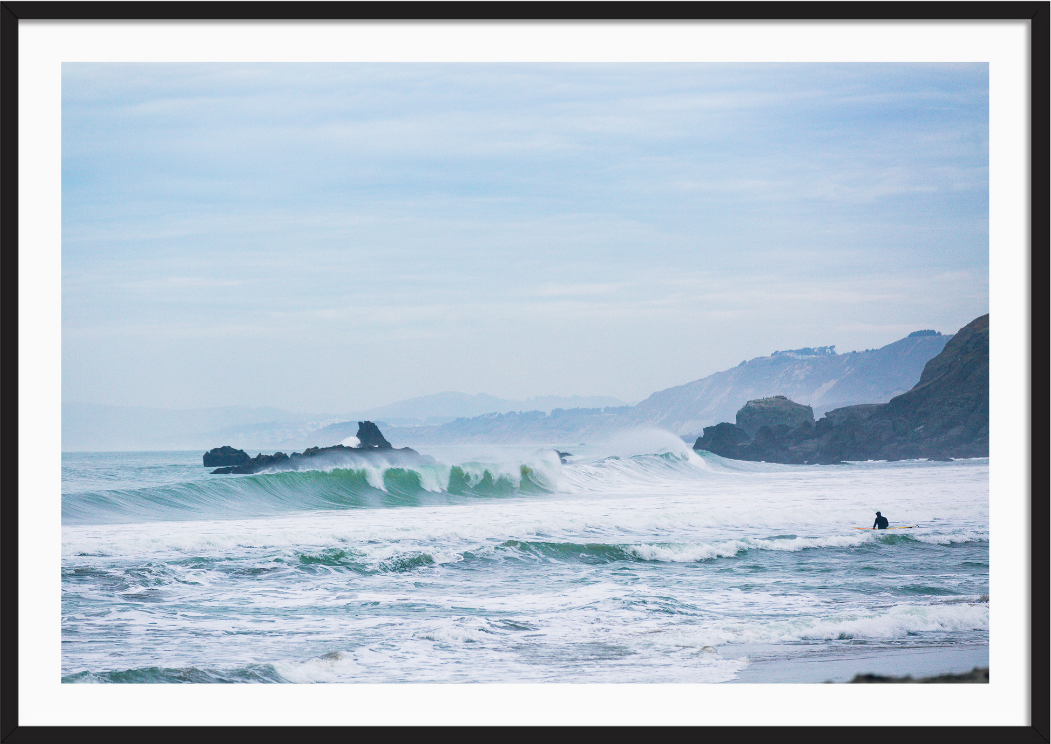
{"type": "Point", "coordinates": [635, 561]}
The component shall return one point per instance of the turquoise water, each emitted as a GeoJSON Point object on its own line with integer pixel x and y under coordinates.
{"type": "Point", "coordinates": [656, 565]}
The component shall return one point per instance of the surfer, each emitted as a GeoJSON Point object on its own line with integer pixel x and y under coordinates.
{"type": "Point", "coordinates": [880, 523]}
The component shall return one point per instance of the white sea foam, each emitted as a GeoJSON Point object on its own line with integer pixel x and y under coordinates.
{"type": "Point", "coordinates": [730, 548]}
{"type": "Point", "coordinates": [896, 622]}
{"type": "Point", "coordinates": [645, 568]}
{"type": "Point", "coordinates": [703, 516]}
{"type": "Point", "coordinates": [334, 666]}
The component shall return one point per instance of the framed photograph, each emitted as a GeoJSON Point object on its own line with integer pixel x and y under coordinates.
{"type": "Point", "coordinates": [385, 364]}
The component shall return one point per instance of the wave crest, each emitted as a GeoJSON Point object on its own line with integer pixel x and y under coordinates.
{"type": "Point", "coordinates": [369, 486]}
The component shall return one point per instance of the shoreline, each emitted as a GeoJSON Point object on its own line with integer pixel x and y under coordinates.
{"type": "Point", "coordinates": [842, 665]}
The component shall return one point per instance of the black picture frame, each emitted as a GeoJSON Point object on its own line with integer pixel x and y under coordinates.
{"type": "Point", "coordinates": [12, 13]}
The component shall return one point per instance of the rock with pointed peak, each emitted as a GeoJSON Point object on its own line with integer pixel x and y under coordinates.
{"type": "Point", "coordinates": [369, 436]}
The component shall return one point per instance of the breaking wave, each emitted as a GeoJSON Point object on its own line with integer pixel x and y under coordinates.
{"type": "Point", "coordinates": [364, 486]}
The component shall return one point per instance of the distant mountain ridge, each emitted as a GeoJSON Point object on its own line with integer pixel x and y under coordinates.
{"type": "Point", "coordinates": [96, 427]}
{"type": "Point", "coordinates": [817, 377]}
{"type": "Point", "coordinates": [946, 415]}
{"type": "Point", "coordinates": [439, 408]}
{"type": "Point", "coordinates": [814, 376]}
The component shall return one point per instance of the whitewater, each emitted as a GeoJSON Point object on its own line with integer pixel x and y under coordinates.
{"type": "Point", "coordinates": [635, 561]}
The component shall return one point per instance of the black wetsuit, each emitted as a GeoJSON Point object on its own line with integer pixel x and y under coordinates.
{"type": "Point", "coordinates": [880, 523]}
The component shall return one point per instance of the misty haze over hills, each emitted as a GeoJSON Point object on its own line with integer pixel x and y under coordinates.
{"type": "Point", "coordinates": [90, 427]}
{"type": "Point", "coordinates": [813, 376]}
{"type": "Point", "coordinates": [440, 408]}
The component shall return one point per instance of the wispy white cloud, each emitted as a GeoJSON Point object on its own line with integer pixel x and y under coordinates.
{"type": "Point", "coordinates": [592, 209]}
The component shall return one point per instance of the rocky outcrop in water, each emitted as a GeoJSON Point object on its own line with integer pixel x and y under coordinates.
{"type": "Point", "coordinates": [225, 455]}
{"type": "Point", "coordinates": [772, 412]}
{"type": "Point", "coordinates": [369, 436]}
{"type": "Point", "coordinates": [946, 415]}
{"type": "Point", "coordinates": [722, 439]}
{"type": "Point", "coordinates": [780, 443]}
{"type": "Point", "coordinates": [370, 443]}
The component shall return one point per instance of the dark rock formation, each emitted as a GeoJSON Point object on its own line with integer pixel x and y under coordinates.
{"type": "Point", "coordinates": [369, 436]}
{"type": "Point", "coordinates": [257, 463]}
{"type": "Point", "coordinates": [722, 439]}
{"type": "Point", "coordinates": [225, 455]}
{"type": "Point", "coordinates": [950, 403]}
{"type": "Point", "coordinates": [978, 675]}
{"type": "Point", "coordinates": [371, 444]}
{"type": "Point", "coordinates": [771, 412]}
{"type": "Point", "coordinates": [946, 415]}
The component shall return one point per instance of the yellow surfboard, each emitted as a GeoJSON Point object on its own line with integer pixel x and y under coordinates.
{"type": "Point", "coordinates": [876, 529]}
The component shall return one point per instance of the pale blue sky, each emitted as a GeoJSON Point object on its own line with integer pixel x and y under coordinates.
{"type": "Point", "coordinates": [330, 238]}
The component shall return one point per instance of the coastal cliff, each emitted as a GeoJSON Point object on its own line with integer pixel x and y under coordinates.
{"type": "Point", "coordinates": [945, 415]}
{"type": "Point", "coordinates": [818, 377]}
